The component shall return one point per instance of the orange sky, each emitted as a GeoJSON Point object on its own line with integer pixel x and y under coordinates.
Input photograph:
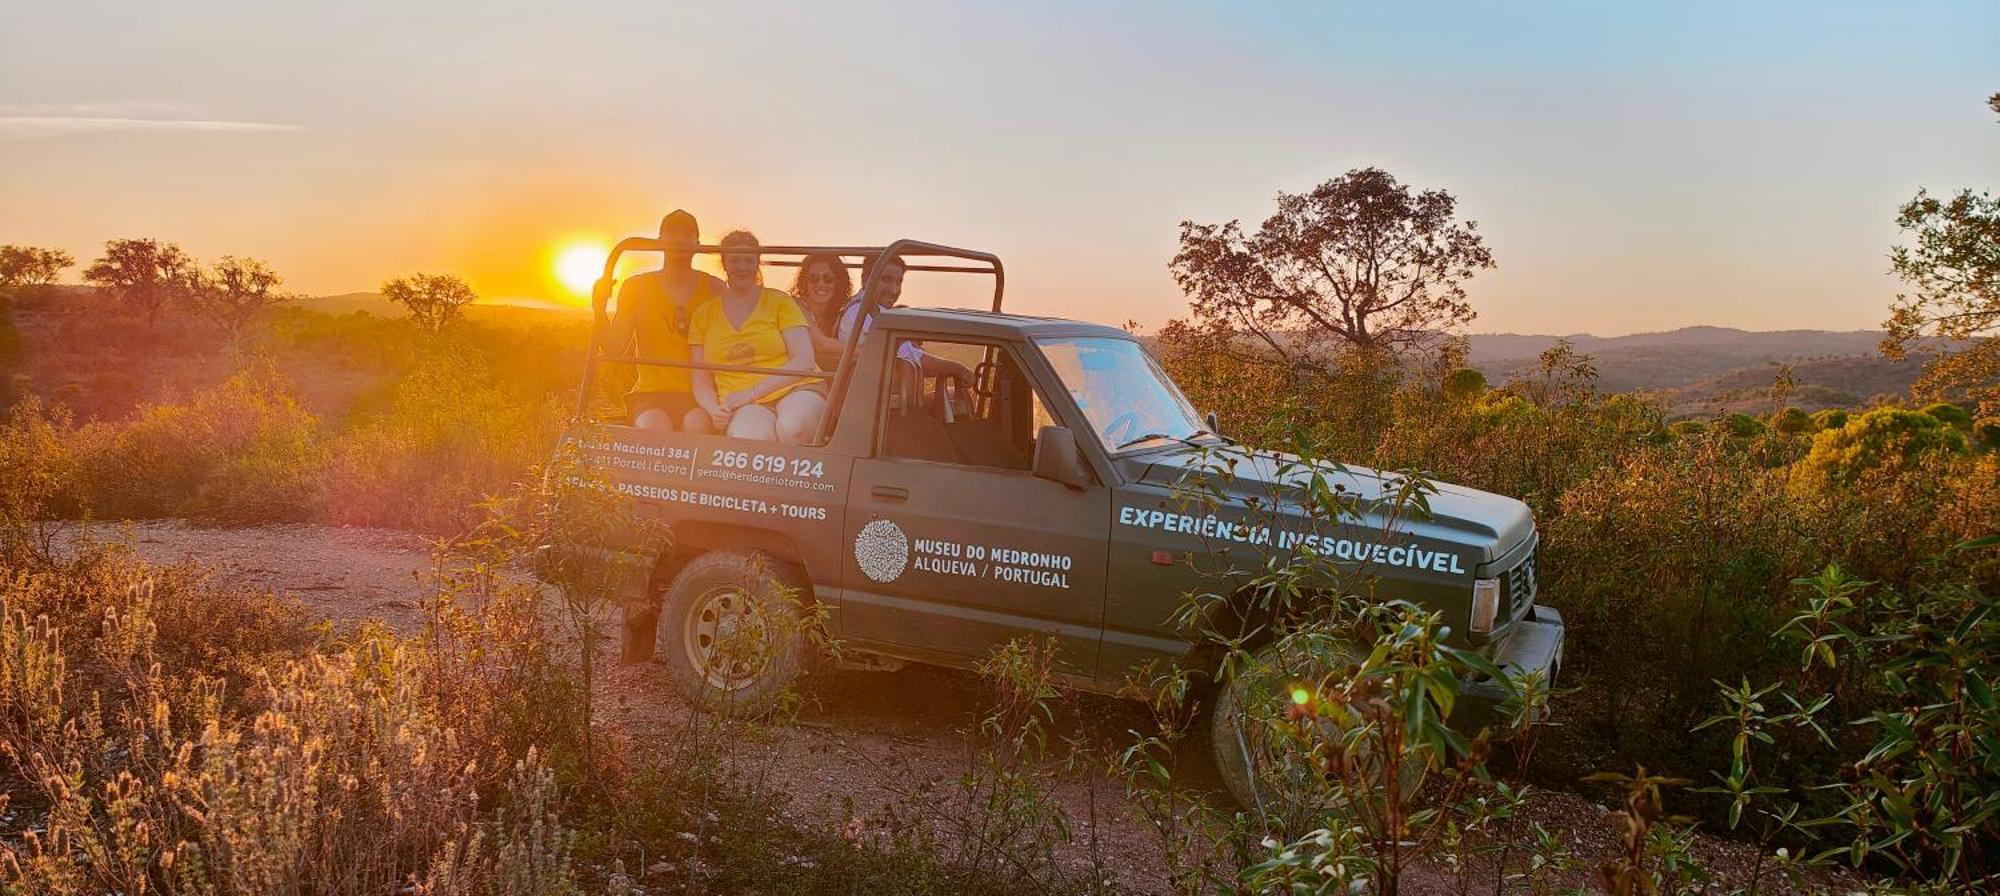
{"type": "Point", "coordinates": [1631, 170]}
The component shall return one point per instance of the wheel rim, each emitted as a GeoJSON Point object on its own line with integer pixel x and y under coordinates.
{"type": "Point", "coordinates": [726, 638]}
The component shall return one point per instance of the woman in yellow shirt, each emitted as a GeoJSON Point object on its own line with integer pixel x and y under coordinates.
{"type": "Point", "coordinates": [748, 325]}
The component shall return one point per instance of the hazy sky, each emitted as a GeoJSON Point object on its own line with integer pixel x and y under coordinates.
{"type": "Point", "coordinates": [1701, 163]}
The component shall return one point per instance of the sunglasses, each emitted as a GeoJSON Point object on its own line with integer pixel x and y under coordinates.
{"type": "Point", "coordinates": [822, 277]}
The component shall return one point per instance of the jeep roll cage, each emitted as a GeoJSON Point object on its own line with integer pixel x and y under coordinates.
{"type": "Point", "coordinates": [792, 256]}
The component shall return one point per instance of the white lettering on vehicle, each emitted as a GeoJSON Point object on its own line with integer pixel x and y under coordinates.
{"type": "Point", "coordinates": [714, 501]}
{"type": "Point", "coordinates": [1213, 528]}
{"type": "Point", "coordinates": [994, 563]}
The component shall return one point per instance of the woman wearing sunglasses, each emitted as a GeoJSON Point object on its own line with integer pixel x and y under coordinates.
{"type": "Point", "coordinates": [822, 289]}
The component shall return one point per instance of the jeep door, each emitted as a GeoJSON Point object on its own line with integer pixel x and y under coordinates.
{"type": "Point", "coordinates": [957, 547]}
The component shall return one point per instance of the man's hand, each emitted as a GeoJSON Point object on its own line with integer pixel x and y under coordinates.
{"type": "Point", "coordinates": [600, 298]}
{"type": "Point", "coordinates": [719, 417]}
{"type": "Point", "coordinates": [740, 398]}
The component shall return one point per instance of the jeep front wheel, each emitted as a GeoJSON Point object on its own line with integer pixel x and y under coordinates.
{"type": "Point", "coordinates": [732, 635]}
{"type": "Point", "coordinates": [1272, 748]}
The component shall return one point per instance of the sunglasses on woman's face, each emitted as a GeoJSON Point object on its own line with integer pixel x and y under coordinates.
{"type": "Point", "coordinates": [821, 277]}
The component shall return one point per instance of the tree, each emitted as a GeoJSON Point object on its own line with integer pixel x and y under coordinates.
{"type": "Point", "coordinates": [144, 275]}
{"type": "Point", "coordinates": [31, 266]}
{"type": "Point", "coordinates": [237, 290]}
{"type": "Point", "coordinates": [1361, 262]}
{"type": "Point", "coordinates": [1955, 270]}
{"type": "Point", "coordinates": [1953, 267]}
{"type": "Point", "coordinates": [433, 299]}
{"type": "Point", "coordinates": [1562, 375]}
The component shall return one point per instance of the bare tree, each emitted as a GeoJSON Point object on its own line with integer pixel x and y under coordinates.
{"type": "Point", "coordinates": [144, 275]}
{"type": "Point", "coordinates": [1360, 261]}
{"type": "Point", "coordinates": [237, 290]}
{"type": "Point", "coordinates": [31, 266]}
{"type": "Point", "coordinates": [435, 300]}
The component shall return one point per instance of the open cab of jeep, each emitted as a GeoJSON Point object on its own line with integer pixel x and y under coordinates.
{"type": "Point", "coordinates": [915, 255]}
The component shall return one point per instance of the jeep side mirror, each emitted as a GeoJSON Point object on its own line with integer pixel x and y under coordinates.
{"type": "Point", "coordinates": [1057, 460]}
{"type": "Point", "coordinates": [1214, 428]}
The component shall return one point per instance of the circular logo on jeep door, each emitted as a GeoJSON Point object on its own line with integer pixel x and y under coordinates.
{"type": "Point", "coordinates": [882, 550]}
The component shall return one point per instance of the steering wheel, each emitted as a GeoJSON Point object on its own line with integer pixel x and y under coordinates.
{"type": "Point", "coordinates": [1128, 421]}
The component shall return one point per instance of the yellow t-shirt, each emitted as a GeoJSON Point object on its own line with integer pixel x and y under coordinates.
{"type": "Point", "coordinates": [759, 342]}
{"type": "Point", "coordinates": [661, 327]}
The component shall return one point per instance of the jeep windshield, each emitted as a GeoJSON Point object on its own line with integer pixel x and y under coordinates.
{"type": "Point", "coordinates": [1130, 403]}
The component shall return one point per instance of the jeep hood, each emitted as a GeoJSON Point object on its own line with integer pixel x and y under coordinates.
{"type": "Point", "coordinates": [1489, 524]}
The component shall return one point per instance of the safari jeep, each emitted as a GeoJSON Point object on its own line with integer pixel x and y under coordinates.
{"type": "Point", "coordinates": [932, 521]}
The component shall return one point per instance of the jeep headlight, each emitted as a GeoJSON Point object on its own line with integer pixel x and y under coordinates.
{"type": "Point", "coordinates": [1485, 604]}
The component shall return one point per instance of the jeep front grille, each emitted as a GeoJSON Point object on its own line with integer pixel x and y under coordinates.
{"type": "Point", "coordinates": [1521, 587]}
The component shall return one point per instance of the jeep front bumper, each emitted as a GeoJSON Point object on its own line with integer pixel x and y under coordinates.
{"type": "Point", "coordinates": [1531, 646]}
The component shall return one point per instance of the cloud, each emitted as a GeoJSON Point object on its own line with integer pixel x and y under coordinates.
{"type": "Point", "coordinates": [33, 121]}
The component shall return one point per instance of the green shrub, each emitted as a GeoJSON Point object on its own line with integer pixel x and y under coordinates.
{"type": "Point", "coordinates": [1463, 384]}
{"type": "Point", "coordinates": [38, 479]}
{"type": "Point", "coordinates": [1987, 432]}
{"type": "Point", "coordinates": [245, 451]}
{"type": "Point", "coordinates": [1830, 418]}
{"type": "Point", "coordinates": [1899, 687]}
{"type": "Point", "coordinates": [1792, 421]}
{"type": "Point", "coordinates": [449, 438]}
{"type": "Point", "coordinates": [1743, 426]}
{"type": "Point", "coordinates": [1884, 439]}
{"type": "Point", "coordinates": [1688, 428]}
{"type": "Point", "coordinates": [1949, 414]}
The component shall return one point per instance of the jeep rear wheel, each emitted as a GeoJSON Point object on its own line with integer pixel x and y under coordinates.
{"type": "Point", "coordinates": [731, 635]}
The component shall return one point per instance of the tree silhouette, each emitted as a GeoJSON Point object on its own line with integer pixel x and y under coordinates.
{"type": "Point", "coordinates": [237, 290]}
{"type": "Point", "coordinates": [1360, 261]}
{"type": "Point", "coordinates": [144, 275]}
{"type": "Point", "coordinates": [435, 300]}
{"type": "Point", "coordinates": [30, 266]}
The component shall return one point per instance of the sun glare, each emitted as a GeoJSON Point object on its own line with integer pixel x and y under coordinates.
{"type": "Point", "coordinates": [579, 266]}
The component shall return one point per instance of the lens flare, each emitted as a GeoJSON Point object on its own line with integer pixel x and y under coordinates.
{"type": "Point", "coordinates": [1300, 696]}
{"type": "Point", "coordinates": [578, 266]}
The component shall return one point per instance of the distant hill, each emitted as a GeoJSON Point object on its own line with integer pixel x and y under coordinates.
{"type": "Point", "coordinates": [1847, 381]}
{"type": "Point", "coordinates": [1701, 370]}
{"type": "Point", "coordinates": [350, 302]}
{"type": "Point", "coordinates": [506, 311]}
{"type": "Point", "coordinates": [1673, 358]}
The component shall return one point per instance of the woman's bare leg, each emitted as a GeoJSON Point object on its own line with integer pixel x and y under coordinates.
{"type": "Point", "coordinates": [798, 416]}
{"type": "Point", "coordinates": [697, 421]}
{"type": "Point", "coordinates": [754, 422]}
{"type": "Point", "coordinates": [654, 419]}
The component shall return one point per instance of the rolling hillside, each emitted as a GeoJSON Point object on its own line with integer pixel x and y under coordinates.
{"type": "Point", "coordinates": [1708, 370]}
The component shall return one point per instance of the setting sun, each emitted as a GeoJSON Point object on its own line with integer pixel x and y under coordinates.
{"type": "Point", "coordinates": [578, 266]}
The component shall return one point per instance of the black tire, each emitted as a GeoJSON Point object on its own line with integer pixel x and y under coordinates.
{"type": "Point", "coordinates": [731, 636]}
{"type": "Point", "coordinates": [1237, 748]}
